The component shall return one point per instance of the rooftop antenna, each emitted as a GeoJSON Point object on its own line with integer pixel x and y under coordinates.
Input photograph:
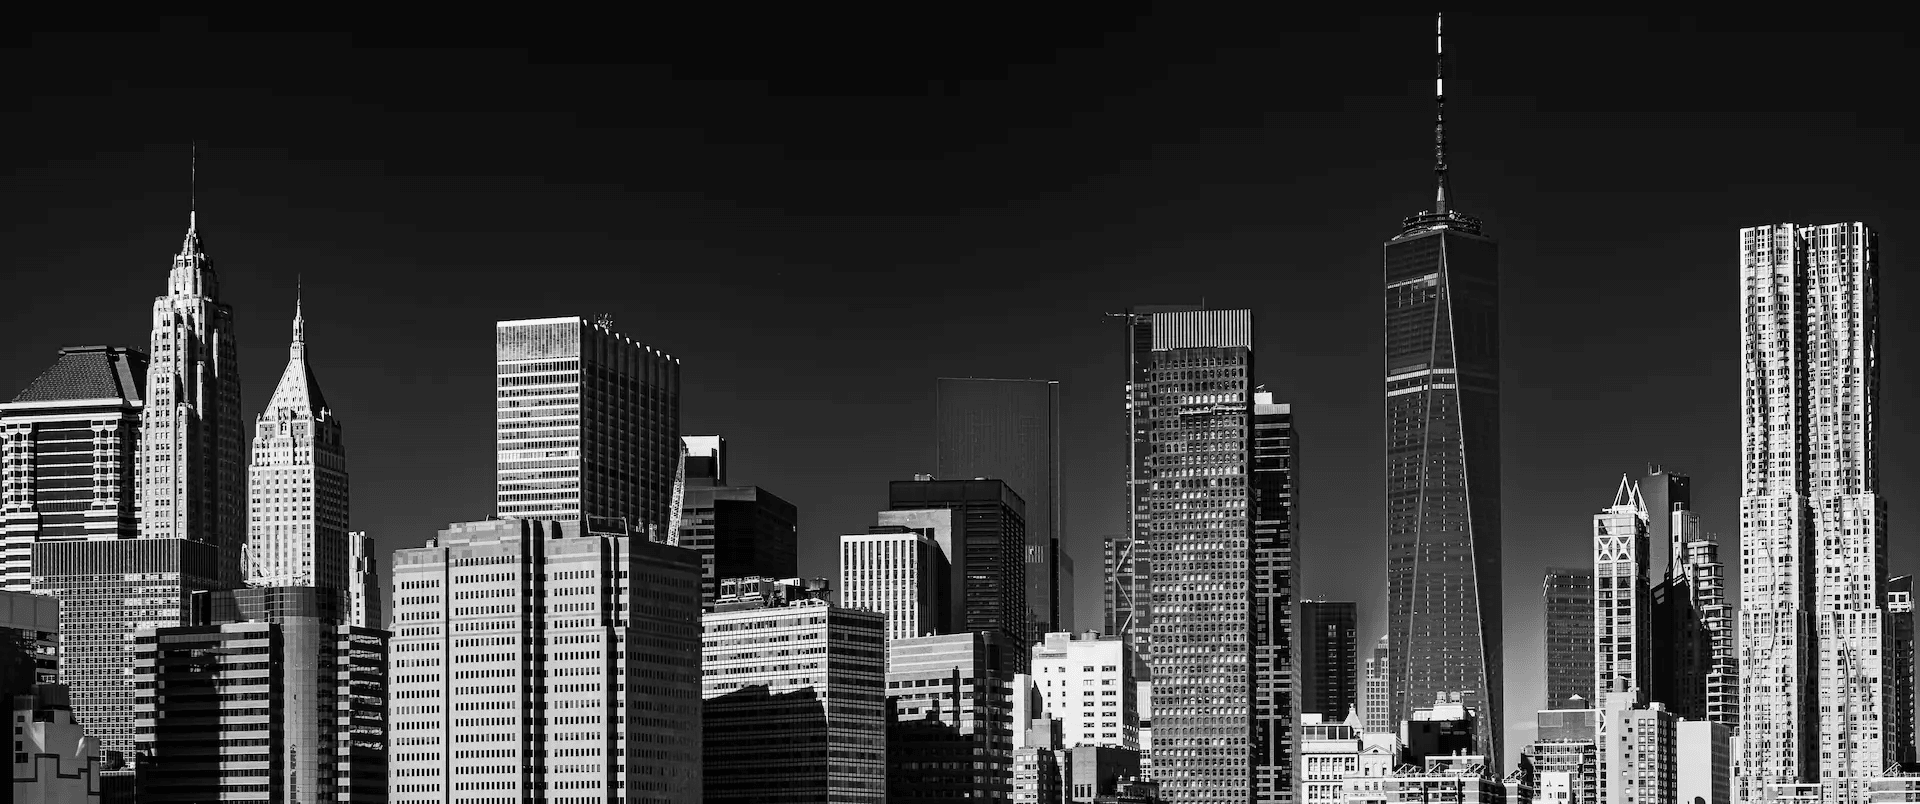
{"type": "Point", "coordinates": [1440, 115]}
{"type": "Point", "coordinates": [193, 183]}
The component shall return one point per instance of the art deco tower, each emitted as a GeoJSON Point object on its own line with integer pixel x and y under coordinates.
{"type": "Point", "coordinates": [190, 437]}
{"type": "Point", "coordinates": [1443, 459]}
{"type": "Point", "coordinates": [1816, 646]}
{"type": "Point", "coordinates": [297, 484]}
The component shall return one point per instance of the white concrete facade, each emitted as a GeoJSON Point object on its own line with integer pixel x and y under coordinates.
{"type": "Point", "coordinates": [1086, 682]}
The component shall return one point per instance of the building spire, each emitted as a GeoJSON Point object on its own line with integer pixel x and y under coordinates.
{"type": "Point", "coordinates": [193, 185]}
{"type": "Point", "coordinates": [1440, 115]}
{"type": "Point", "coordinates": [299, 320]}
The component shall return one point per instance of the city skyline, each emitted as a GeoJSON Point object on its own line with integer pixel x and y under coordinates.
{"type": "Point", "coordinates": [418, 404]}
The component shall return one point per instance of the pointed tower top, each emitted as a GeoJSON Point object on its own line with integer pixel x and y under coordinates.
{"type": "Point", "coordinates": [1626, 493]}
{"type": "Point", "coordinates": [299, 319]}
{"type": "Point", "coordinates": [1440, 115]}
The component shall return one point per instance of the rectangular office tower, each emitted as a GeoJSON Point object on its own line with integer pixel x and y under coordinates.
{"type": "Point", "coordinates": [588, 425]}
{"type": "Point", "coordinates": [1198, 413]}
{"type": "Point", "coordinates": [108, 591]}
{"type": "Point", "coordinates": [1329, 657]}
{"type": "Point", "coordinates": [1278, 668]}
{"type": "Point", "coordinates": [1442, 287]}
{"type": "Point", "coordinates": [986, 539]}
{"type": "Point", "coordinates": [67, 449]}
{"type": "Point", "coordinates": [1567, 593]}
{"type": "Point", "coordinates": [950, 733]}
{"type": "Point", "coordinates": [1010, 430]}
{"type": "Point", "coordinates": [1086, 682]}
{"type": "Point", "coordinates": [1816, 653]}
{"type": "Point", "coordinates": [739, 531]}
{"type": "Point", "coordinates": [902, 573]}
{"type": "Point", "coordinates": [1128, 567]}
{"type": "Point", "coordinates": [532, 660]}
{"type": "Point", "coordinates": [269, 695]}
{"type": "Point", "coordinates": [1694, 669]}
{"type": "Point", "coordinates": [795, 702]}
{"type": "Point", "coordinates": [192, 441]}
{"type": "Point", "coordinates": [297, 484]}
{"type": "Point", "coordinates": [1623, 603]}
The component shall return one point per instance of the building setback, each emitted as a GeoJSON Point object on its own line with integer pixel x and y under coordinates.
{"type": "Point", "coordinates": [363, 583]}
{"type": "Point", "coordinates": [988, 535]}
{"type": "Point", "coordinates": [297, 484]}
{"type": "Point", "coordinates": [68, 445]}
{"type": "Point", "coordinates": [192, 441]}
{"type": "Point", "coordinates": [795, 702]}
{"type": "Point", "coordinates": [1442, 293]}
{"type": "Point", "coordinates": [532, 659]}
{"type": "Point", "coordinates": [1199, 416]}
{"type": "Point", "coordinates": [278, 671]}
{"type": "Point", "coordinates": [1813, 526]}
{"type": "Point", "coordinates": [1010, 430]}
{"type": "Point", "coordinates": [1278, 666]}
{"type": "Point", "coordinates": [1568, 595]}
{"type": "Point", "coordinates": [1329, 658]}
{"type": "Point", "coordinates": [739, 531]}
{"type": "Point", "coordinates": [1694, 670]}
{"type": "Point", "coordinates": [950, 727]}
{"type": "Point", "coordinates": [588, 425]}
{"type": "Point", "coordinates": [1373, 709]}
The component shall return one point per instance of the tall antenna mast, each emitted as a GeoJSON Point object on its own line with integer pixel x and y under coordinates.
{"type": "Point", "coordinates": [1440, 115]}
{"type": "Point", "coordinates": [193, 184]}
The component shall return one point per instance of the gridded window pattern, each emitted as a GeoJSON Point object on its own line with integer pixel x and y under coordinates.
{"type": "Point", "coordinates": [1622, 602]}
{"type": "Point", "coordinates": [900, 575]}
{"type": "Point", "coordinates": [1088, 684]}
{"type": "Point", "coordinates": [1442, 381]}
{"type": "Point", "coordinates": [297, 486]}
{"type": "Point", "coordinates": [1815, 647]}
{"type": "Point", "coordinates": [1568, 595]}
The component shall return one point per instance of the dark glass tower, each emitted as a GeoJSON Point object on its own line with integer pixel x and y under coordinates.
{"type": "Point", "coordinates": [1277, 659]}
{"type": "Point", "coordinates": [1010, 430]}
{"type": "Point", "coordinates": [1568, 595]}
{"type": "Point", "coordinates": [990, 594]}
{"type": "Point", "coordinates": [1443, 460]}
{"type": "Point", "coordinates": [1329, 659]}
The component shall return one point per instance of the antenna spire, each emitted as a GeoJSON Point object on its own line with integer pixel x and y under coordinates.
{"type": "Point", "coordinates": [299, 319]}
{"type": "Point", "coordinates": [193, 184]}
{"type": "Point", "coordinates": [1440, 115]}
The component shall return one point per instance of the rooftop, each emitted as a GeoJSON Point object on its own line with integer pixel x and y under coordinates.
{"type": "Point", "coordinates": [88, 373]}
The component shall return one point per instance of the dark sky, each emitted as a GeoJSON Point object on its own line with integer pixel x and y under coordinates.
{"type": "Point", "coordinates": [822, 214]}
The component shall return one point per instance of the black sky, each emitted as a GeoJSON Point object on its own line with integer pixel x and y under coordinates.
{"type": "Point", "coordinates": [822, 214]}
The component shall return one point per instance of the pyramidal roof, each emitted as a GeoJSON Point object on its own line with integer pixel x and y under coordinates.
{"type": "Point", "coordinates": [298, 389]}
{"type": "Point", "coordinates": [90, 372]}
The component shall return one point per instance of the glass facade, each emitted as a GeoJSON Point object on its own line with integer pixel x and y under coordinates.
{"type": "Point", "coordinates": [588, 425]}
{"type": "Point", "coordinates": [989, 576]}
{"type": "Point", "coordinates": [1568, 595]}
{"type": "Point", "coordinates": [1281, 667]}
{"type": "Point", "coordinates": [1443, 468]}
{"type": "Point", "coordinates": [1010, 430]}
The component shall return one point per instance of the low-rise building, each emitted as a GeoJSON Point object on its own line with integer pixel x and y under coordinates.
{"type": "Point", "coordinates": [54, 761]}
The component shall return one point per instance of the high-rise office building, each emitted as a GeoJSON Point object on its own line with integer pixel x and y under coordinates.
{"type": "Point", "coordinates": [297, 484]}
{"type": "Point", "coordinates": [68, 445]}
{"type": "Point", "coordinates": [1567, 742]}
{"type": "Point", "coordinates": [1442, 287]}
{"type": "Point", "coordinates": [1623, 602]}
{"type": "Point", "coordinates": [1086, 682]}
{"type": "Point", "coordinates": [363, 583]}
{"type": "Point", "coordinates": [1568, 595]}
{"type": "Point", "coordinates": [192, 442]}
{"type": "Point", "coordinates": [738, 531]}
{"type": "Point", "coordinates": [108, 591]}
{"type": "Point", "coordinates": [588, 425]}
{"type": "Point", "coordinates": [1010, 430]}
{"type": "Point", "coordinates": [901, 573]}
{"type": "Point", "coordinates": [1663, 491]}
{"type": "Point", "coordinates": [1329, 658]}
{"type": "Point", "coordinates": [269, 694]}
{"type": "Point", "coordinates": [1374, 709]}
{"type": "Point", "coordinates": [1900, 723]}
{"type": "Point", "coordinates": [1129, 567]}
{"type": "Point", "coordinates": [532, 659]}
{"type": "Point", "coordinates": [1694, 670]}
{"type": "Point", "coordinates": [1198, 414]}
{"type": "Point", "coordinates": [950, 733]}
{"type": "Point", "coordinates": [987, 540]}
{"type": "Point", "coordinates": [1279, 662]}
{"type": "Point", "coordinates": [781, 728]}
{"type": "Point", "coordinates": [1814, 643]}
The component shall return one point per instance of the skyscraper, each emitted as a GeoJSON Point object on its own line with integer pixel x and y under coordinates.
{"type": "Point", "coordinates": [588, 425]}
{"type": "Point", "coordinates": [1086, 683]}
{"type": "Point", "coordinates": [1694, 670]}
{"type": "Point", "coordinates": [1623, 603]}
{"type": "Point", "coordinates": [951, 729]}
{"type": "Point", "coordinates": [297, 484]}
{"type": "Point", "coordinates": [1010, 430]}
{"type": "Point", "coordinates": [1664, 492]}
{"type": "Point", "coordinates": [808, 731]}
{"type": "Point", "coordinates": [1279, 663]}
{"type": "Point", "coordinates": [988, 534]}
{"type": "Point", "coordinates": [1442, 287]}
{"type": "Point", "coordinates": [68, 447]}
{"type": "Point", "coordinates": [1901, 722]}
{"type": "Point", "coordinates": [563, 660]}
{"type": "Point", "coordinates": [900, 572]}
{"type": "Point", "coordinates": [1374, 706]}
{"type": "Point", "coordinates": [1568, 595]}
{"type": "Point", "coordinates": [1129, 606]}
{"type": "Point", "coordinates": [277, 672]}
{"type": "Point", "coordinates": [192, 444]}
{"type": "Point", "coordinates": [1816, 652]}
{"type": "Point", "coordinates": [739, 531]}
{"type": "Point", "coordinates": [1329, 658]}
{"type": "Point", "coordinates": [1198, 416]}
